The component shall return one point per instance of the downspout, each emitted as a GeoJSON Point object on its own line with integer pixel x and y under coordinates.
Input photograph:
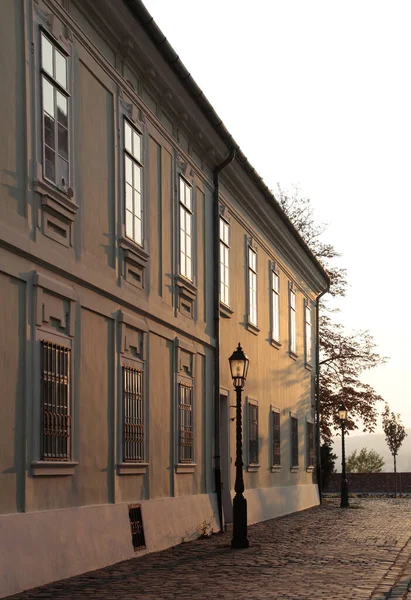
{"type": "Point", "coordinates": [317, 389]}
{"type": "Point", "coordinates": [216, 288]}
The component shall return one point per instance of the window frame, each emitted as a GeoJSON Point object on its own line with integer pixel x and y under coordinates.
{"type": "Point", "coordinates": [225, 246]}
{"type": "Point", "coordinates": [310, 437]}
{"type": "Point", "coordinates": [292, 319]}
{"type": "Point", "coordinates": [139, 412]}
{"type": "Point", "coordinates": [252, 429]}
{"type": "Point", "coordinates": [294, 442]}
{"type": "Point", "coordinates": [252, 293]}
{"type": "Point", "coordinates": [187, 211]}
{"type": "Point", "coordinates": [184, 384]}
{"type": "Point", "coordinates": [45, 75]}
{"type": "Point", "coordinates": [275, 306]}
{"type": "Point", "coordinates": [275, 440]}
{"type": "Point", "coordinates": [308, 333]}
{"type": "Point", "coordinates": [127, 154]}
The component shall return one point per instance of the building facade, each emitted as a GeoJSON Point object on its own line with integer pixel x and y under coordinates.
{"type": "Point", "coordinates": [119, 229]}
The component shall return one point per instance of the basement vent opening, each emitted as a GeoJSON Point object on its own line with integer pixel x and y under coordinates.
{"type": "Point", "coordinates": [136, 524]}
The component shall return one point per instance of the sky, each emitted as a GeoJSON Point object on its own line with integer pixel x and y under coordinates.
{"type": "Point", "coordinates": [317, 93]}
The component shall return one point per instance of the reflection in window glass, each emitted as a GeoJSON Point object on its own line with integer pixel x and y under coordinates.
{"type": "Point", "coordinates": [48, 98]}
{"type": "Point", "coordinates": [61, 69]}
{"type": "Point", "coordinates": [133, 176]}
{"type": "Point", "coordinates": [46, 55]}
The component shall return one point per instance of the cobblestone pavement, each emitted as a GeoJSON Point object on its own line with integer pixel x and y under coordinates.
{"type": "Point", "coordinates": [321, 553]}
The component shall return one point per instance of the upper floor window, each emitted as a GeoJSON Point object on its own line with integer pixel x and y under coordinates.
{"type": "Point", "coordinates": [224, 262]}
{"type": "Point", "coordinates": [133, 169]}
{"type": "Point", "coordinates": [186, 236]}
{"type": "Point", "coordinates": [275, 305]}
{"type": "Point", "coordinates": [55, 439]}
{"type": "Point", "coordinates": [55, 108]}
{"type": "Point", "coordinates": [133, 415]}
{"type": "Point", "coordinates": [252, 286]}
{"type": "Point", "coordinates": [292, 318]}
{"type": "Point", "coordinates": [308, 333]}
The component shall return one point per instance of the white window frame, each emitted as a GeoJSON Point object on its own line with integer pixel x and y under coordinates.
{"type": "Point", "coordinates": [292, 321]}
{"type": "Point", "coordinates": [61, 180]}
{"type": "Point", "coordinates": [252, 287]}
{"type": "Point", "coordinates": [133, 178]}
{"type": "Point", "coordinates": [224, 261]}
{"type": "Point", "coordinates": [275, 306]}
{"type": "Point", "coordinates": [308, 332]}
{"type": "Point", "coordinates": [185, 237]}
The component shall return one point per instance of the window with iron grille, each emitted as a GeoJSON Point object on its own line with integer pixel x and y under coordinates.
{"type": "Point", "coordinates": [186, 236]}
{"type": "Point", "coordinates": [185, 406]}
{"type": "Point", "coordinates": [136, 524]}
{"type": "Point", "coordinates": [133, 415]}
{"type": "Point", "coordinates": [224, 262]}
{"type": "Point", "coordinates": [310, 445]}
{"type": "Point", "coordinates": [252, 286]}
{"type": "Point", "coordinates": [293, 330]}
{"type": "Point", "coordinates": [55, 108]}
{"type": "Point", "coordinates": [276, 458]}
{"type": "Point", "coordinates": [308, 334]}
{"type": "Point", "coordinates": [55, 402]}
{"type": "Point", "coordinates": [133, 170]}
{"type": "Point", "coordinates": [294, 442]}
{"type": "Point", "coordinates": [252, 433]}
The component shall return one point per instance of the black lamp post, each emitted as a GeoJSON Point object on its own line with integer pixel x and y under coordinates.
{"type": "Point", "coordinates": [342, 413]}
{"type": "Point", "coordinates": [239, 367]}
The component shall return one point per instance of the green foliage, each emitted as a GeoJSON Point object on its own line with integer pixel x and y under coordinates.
{"type": "Point", "coordinates": [328, 459]}
{"type": "Point", "coordinates": [394, 430]}
{"type": "Point", "coordinates": [366, 461]}
{"type": "Point", "coordinates": [344, 356]}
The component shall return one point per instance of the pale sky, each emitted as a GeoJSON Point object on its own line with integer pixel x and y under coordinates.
{"type": "Point", "coordinates": [318, 93]}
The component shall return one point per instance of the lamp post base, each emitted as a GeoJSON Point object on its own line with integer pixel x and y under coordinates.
{"type": "Point", "coordinates": [344, 494]}
{"type": "Point", "coordinates": [240, 539]}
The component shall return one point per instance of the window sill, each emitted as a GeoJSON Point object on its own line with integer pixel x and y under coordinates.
{"type": "Point", "coordinates": [310, 469]}
{"type": "Point", "coordinates": [225, 311]}
{"type": "Point", "coordinates": [132, 468]}
{"type": "Point", "coordinates": [276, 468]}
{"type": "Point", "coordinates": [308, 366]}
{"type": "Point", "coordinates": [253, 328]}
{"type": "Point", "coordinates": [294, 469]}
{"type": "Point", "coordinates": [186, 467]}
{"type": "Point", "coordinates": [133, 251]}
{"type": "Point", "coordinates": [52, 468]}
{"type": "Point", "coordinates": [56, 200]}
{"type": "Point", "coordinates": [186, 287]}
{"type": "Point", "coordinates": [293, 355]}
{"type": "Point", "coordinates": [253, 468]}
{"type": "Point", "coordinates": [275, 343]}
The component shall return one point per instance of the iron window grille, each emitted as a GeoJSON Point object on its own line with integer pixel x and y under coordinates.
{"type": "Point", "coordinates": [224, 262]}
{"type": "Point", "coordinates": [136, 524]}
{"type": "Point", "coordinates": [133, 171]}
{"type": "Point", "coordinates": [185, 397]}
{"type": "Point", "coordinates": [308, 334]}
{"type": "Point", "coordinates": [253, 433]}
{"type": "Point", "coordinates": [55, 402]}
{"type": "Point", "coordinates": [294, 442]}
{"type": "Point", "coordinates": [133, 415]}
{"type": "Point", "coordinates": [310, 445]}
{"type": "Point", "coordinates": [275, 299]}
{"type": "Point", "coordinates": [276, 439]}
{"type": "Point", "coordinates": [293, 331]}
{"type": "Point", "coordinates": [55, 113]}
{"type": "Point", "coordinates": [252, 285]}
{"type": "Point", "coordinates": [186, 236]}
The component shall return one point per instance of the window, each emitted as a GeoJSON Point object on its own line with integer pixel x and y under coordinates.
{"type": "Point", "coordinates": [308, 334]}
{"type": "Point", "coordinates": [55, 443]}
{"type": "Point", "coordinates": [133, 415]}
{"type": "Point", "coordinates": [253, 434]}
{"type": "Point", "coordinates": [276, 456]}
{"type": "Point", "coordinates": [293, 332]}
{"type": "Point", "coordinates": [224, 262]}
{"type": "Point", "coordinates": [186, 220]}
{"type": "Point", "coordinates": [310, 445]}
{"type": "Point", "coordinates": [275, 305]}
{"type": "Point", "coordinates": [55, 107]}
{"type": "Point", "coordinates": [185, 409]}
{"type": "Point", "coordinates": [294, 442]}
{"type": "Point", "coordinates": [252, 286]}
{"type": "Point", "coordinates": [133, 170]}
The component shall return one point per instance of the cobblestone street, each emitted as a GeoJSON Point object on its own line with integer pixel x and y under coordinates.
{"type": "Point", "coordinates": [324, 552]}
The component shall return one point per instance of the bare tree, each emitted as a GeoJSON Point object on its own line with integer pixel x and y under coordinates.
{"type": "Point", "coordinates": [394, 435]}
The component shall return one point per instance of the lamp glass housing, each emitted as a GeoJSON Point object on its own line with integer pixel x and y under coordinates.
{"type": "Point", "coordinates": [342, 413]}
{"type": "Point", "coordinates": [239, 366]}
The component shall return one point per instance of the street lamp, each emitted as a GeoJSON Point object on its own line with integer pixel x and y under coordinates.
{"type": "Point", "coordinates": [239, 368]}
{"type": "Point", "coordinates": [342, 413]}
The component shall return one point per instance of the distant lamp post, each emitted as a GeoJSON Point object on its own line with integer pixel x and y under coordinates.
{"type": "Point", "coordinates": [342, 413]}
{"type": "Point", "coordinates": [239, 368]}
